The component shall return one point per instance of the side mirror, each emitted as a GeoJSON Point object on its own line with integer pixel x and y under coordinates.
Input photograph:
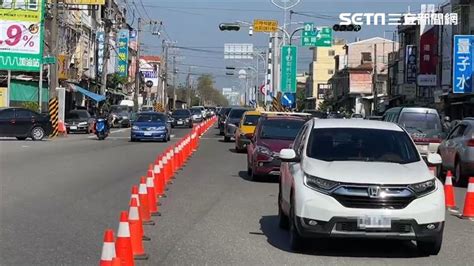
{"type": "Point", "coordinates": [288, 155]}
{"type": "Point", "coordinates": [434, 159]}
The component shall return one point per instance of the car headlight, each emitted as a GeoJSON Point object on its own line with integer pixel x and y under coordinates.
{"type": "Point", "coordinates": [135, 128]}
{"type": "Point", "coordinates": [319, 184]}
{"type": "Point", "coordinates": [423, 188]}
{"type": "Point", "coordinates": [264, 150]}
{"type": "Point", "coordinates": [160, 128]}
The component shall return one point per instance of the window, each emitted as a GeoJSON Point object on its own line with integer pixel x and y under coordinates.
{"type": "Point", "coordinates": [420, 122]}
{"type": "Point", "coordinates": [299, 140]}
{"type": "Point", "coordinates": [366, 57]}
{"type": "Point", "coordinates": [237, 113]}
{"type": "Point", "coordinates": [251, 120]}
{"type": "Point", "coordinates": [330, 72]}
{"type": "Point", "coordinates": [7, 114]}
{"type": "Point", "coordinates": [282, 129]}
{"type": "Point", "coordinates": [22, 113]}
{"type": "Point", "coordinates": [151, 118]}
{"type": "Point", "coordinates": [181, 112]}
{"type": "Point", "coordinates": [361, 144]}
{"type": "Point", "coordinates": [331, 53]}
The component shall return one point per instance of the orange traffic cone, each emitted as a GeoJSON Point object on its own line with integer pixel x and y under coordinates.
{"type": "Point", "coordinates": [108, 249]}
{"type": "Point", "coordinates": [144, 203]}
{"type": "Point", "coordinates": [150, 189]}
{"type": "Point", "coordinates": [137, 198]}
{"type": "Point", "coordinates": [62, 128]}
{"type": "Point", "coordinates": [449, 193]}
{"type": "Point", "coordinates": [123, 245]}
{"type": "Point", "coordinates": [116, 262]}
{"type": "Point", "coordinates": [156, 177]}
{"type": "Point", "coordinates": [468, 212]}
{"type": "Point", "coordinates": [136, 233]}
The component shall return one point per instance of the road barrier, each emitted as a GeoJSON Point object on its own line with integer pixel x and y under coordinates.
{"type": "Point", "coordinates": [468, 212]}
{"type": "Point", "coordinates": [144, 200]}
{"type": "Point", "coordinates": [449, 193]}
{"type": "Point", "coordinates": [53, 109]}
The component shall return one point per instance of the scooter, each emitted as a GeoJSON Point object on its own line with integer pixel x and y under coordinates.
{"type": "Point", "coordinates": [101, 128]}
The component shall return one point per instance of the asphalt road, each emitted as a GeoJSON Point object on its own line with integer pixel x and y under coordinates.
{"type": "Point", "coordinates": [58, 198]}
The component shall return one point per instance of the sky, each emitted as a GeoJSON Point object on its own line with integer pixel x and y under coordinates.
{"type": "Point", "coordinates": [193, 25]}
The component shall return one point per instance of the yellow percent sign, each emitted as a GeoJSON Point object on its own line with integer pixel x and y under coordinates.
{"type": "Point", "coordinates": [260, 25]}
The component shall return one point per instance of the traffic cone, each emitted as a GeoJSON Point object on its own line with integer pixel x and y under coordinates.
{"type": "Point", "coordinates": [144, 203]}
{"type": "Point", "coordinates": [137, 198]}
{"type": "Point", "coordinates": [449, 193]}
{"type": "Point", "coordinates": [150, 189]}
{"type": "Point", "coordinates": [108, 249]}
{"type": "Point", "coordinates": [62, 128]}
{"type": "Point", "coordinates": [136, 233]}
{"type": "Point", "coordinates": [159, 189]}
{"type": "Point", "coordinates": [116, 262]}
{"type": "Point", "coordinates": [468, 212]}
{"type": "Point", "coordinates": [123, 245]}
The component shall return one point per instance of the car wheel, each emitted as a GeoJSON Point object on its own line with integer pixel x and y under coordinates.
{"type": "Point", "coordinates": [20, 138]}
{"type": "Point", "coordinates": [283, 221]}
{"type": "Point", "coordinates": [432, 246]}
{"type": "Point", "coordinates": [37, 133]}
{"type": "Point", "coordinates": [296, 241]}
{"type": "Point", "coordinates": [460, 178]}
{"type": "Point", "coordinates": [133, 139]}
{"type": "Point", "coordinates": [226, 139]}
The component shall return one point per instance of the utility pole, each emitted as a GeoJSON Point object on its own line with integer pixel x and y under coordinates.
{"type": "Point", "coordinates": [137, 70]}
{"type": "Point", "coordinates": [165, 74]}
{"type": "Point", "coordinates": [107, 31]}
{"type": "Point", "coordinates": [53, 49]}
{"type": "Point", "coordinates": [175, 72]}
{"type": "Point", "coordinates": [374, 82]}
{"type": "Point", "coordinates": [188, 88]}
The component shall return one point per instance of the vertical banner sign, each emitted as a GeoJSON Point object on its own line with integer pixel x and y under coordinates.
{"type": "Point", "coordinates": [410, 64]}
{"type": "Point", "coordinates": [21, 35]}
{"type": "Point", "coordinates": [288, 69]}
{"type": "Point", "coordinates": [462, 63]}
{"type": "Point", "coordinates": [100, 52]}
{"type": "Point", "coordinates": [122, 57]}
{"type": "Point", "coordinates": [428, 58]}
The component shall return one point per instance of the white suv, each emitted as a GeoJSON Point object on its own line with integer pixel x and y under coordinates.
{"type": "Point", "coordinates": [359, 178]}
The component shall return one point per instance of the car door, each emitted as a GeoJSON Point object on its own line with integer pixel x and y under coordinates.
{"type": "Point", "coordinates": [7, 122]}
{"type": "Point", "coordinates": [24, 121]}
{"type": "Point", "coordinates": [449, 146]}
{"type": "Point", "coordinates": [459, 142]}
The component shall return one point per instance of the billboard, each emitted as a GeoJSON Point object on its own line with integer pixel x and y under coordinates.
{"type": "Point", "coordinates": [410, 64]}
{"type": "Point", "coordinates": [462, 63]}
{"type": "Point", "coordinates": [122, 56]}
{"type": "Point", "coordinates": [21, 35]}
{"type": "Point", "coordinates": [100, 52]}
{"type": "Point", "coordinates": [238, 51]}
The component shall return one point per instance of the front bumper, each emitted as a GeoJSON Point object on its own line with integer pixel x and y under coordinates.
{"type": "Point", "coordinates": [77, 128]}
{"type": "Point", "coordinates": [182, 123]}
{"type": "Point", "coordinates": [159, 135]}
{"type": "Point", "coordinates": [268, 167]}
{"type": "Point", "coordinates": [230, 131]}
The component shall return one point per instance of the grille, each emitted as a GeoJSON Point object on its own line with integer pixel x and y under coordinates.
{"type": "Point", "coordinates": [352, 227]}
{"type": "Point", "coordinates": [373, 203]}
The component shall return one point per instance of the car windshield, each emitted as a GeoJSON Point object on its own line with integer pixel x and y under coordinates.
{"type": "Point", "coordinates": [151, 118]}
{"type": "Point", "coordinates": [281, 129]}
{"type": "Point", "coordinates": [78, 115]}
{"type": "Point", "coordinates": [251, 120]}
{"type": "Point", "coordinates": [181, 112]}
{"type": "Point", "coordinates": [196, 111]}
{"type": "Point", "coordinates": [237, 113]}
{"type": "Point", "coordinates": [420, 122]}
{"type": "Point", "coordinates": [118, 108]}
{"type": "Point", "coordinates": [360, 144]}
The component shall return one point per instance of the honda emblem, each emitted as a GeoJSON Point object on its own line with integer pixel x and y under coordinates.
{"type": "Point", "coordinates": [373, 191]}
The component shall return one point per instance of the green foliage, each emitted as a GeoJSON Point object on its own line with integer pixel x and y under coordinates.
{"type": "Point", "coordinates": [33, 106]}
{"type": "Point", "coordinates": [114, 80]}
{"type": "Point", "coordinates": [210, 95]}
{"type": "Point", "coordinates": [327, 105]}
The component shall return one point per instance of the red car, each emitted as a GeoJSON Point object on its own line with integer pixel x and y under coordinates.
{"type": "Point", "coordinates": [273, 133]}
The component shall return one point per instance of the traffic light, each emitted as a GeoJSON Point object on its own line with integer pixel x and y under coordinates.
{"type": "Point", "coordinates": [229, 27]}
{"type": "Point", "coordinates": [229, 68]}
{"type": "Point", "coordinates": [350, 27]}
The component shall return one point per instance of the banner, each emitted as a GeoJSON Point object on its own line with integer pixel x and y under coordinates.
{"type": "Point", "coordinates": [463, 63]}
{"type": "Point", "coordinates": [410, 64]}
{"type": "Point", "coordinates": [21, 35]}
{"type": "Point", "coordinates": [100, 52]}
{"type": "Point", "coordinates": [122, 56]}
{"type": "Point", "coordinates": [63, 67]}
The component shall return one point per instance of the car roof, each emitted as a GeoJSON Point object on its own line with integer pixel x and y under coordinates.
{"type": "Point", "coordinates": [355, 123]}
{"type": "Point", "coordinates": [253, 112]}
{"type": "Point", "coordinates": [419, 110]}
{"type": "Point", "coordinates": [286, 117]}
{"type": "Point", "coordinates": [151, 112]}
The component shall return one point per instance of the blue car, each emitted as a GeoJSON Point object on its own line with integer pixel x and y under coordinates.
{"type": "Point", "coordinates": [151, 126]}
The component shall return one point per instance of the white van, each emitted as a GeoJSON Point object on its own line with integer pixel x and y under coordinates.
{"type": "Point", "coordinates": [129, 103]}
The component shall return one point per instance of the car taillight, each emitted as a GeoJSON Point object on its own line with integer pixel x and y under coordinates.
{"type": "Point", "coordinates": [427, 140]}
{"type": "Point", "coordinates": [470, 143]}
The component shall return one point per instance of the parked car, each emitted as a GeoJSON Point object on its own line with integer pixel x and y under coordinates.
{"type": "Point", "coordinates": [151, 126]}
{"type": "Point", "coordinates": [357, 116]}
{"type": "Point", "coordinates": [79, 121]}
{"type": "Point", "coordinates": [423, 125]}
{"type": "Point", "coordinates": [246, 129]}
{"type": "Point", "coordinates": [273, 133]}
{"type": "Point", "coordinates": [182, 118]}
{"type": "Point", "coordinates": [203, 111]}
{"type": "Point", "coordinates": [147, 108]}
{"type": "Point", "coordinates": [457, 151]}
{"type": "Point", "coordinates": [222, 117]}
{"type": "Point", "coordinates": [232, 122]}
{"type": "Point", "coordinates": [120, 115]}
{"type": "Point", "coordinates": [361, 179]}
{"type": "Point", "coordinates": [23, 123]}
{"type": "Point", "coordinates": [196, 115]}
{"type": "Point", "coordinates": [316, 113]}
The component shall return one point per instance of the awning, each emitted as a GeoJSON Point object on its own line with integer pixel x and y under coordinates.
{"type": "Point", "coordinates": [94, 96]}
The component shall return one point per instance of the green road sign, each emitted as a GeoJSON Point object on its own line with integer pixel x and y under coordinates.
{"type": "Point", "coordinates": [316, 36]}
{"type": "Point", "coordinates": [288, 69]}
{"type": "Point", "coordinates": [49, 60]}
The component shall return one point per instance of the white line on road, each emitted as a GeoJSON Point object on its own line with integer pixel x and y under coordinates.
{"type": "Point", "coordinates": [112, 132]}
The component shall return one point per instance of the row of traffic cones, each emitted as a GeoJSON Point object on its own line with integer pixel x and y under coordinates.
{"type": "Point", "coordinates": [468, 211]}
{"type": "Point", "coordinates": [144, 201]}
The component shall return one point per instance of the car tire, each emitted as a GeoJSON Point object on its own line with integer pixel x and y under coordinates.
{"type": "Point", "coordinates": [459, 178]}
{"type": "Point", "coordinates": [296, 241]}
{"type": "Point", "coordinates": [432, 246]}
{"type": "Point", "coordinates": [20, 138]}
{"type": "Point", "coordinates": [37, 133]}
{"type": "Point", "coordinates": [283, 221]}
{"type": "Point", "coordinates": [133, 139]}
{"type": "Point", "coordinates": [226, 139]}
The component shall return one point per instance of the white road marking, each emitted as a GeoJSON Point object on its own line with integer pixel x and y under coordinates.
{"type": "Point", "coordinates": [111, 132]}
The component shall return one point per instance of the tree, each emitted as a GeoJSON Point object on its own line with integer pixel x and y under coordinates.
{"type": "Point", "coordinates": [114, 80]}
{"type": "Point", "coordinates": [208, 94]}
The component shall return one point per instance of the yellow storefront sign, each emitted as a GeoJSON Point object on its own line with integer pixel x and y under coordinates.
{"type": "Point", "coordinates": [3, 97]}
{"type": "Point", "coordinates": [62, 67]}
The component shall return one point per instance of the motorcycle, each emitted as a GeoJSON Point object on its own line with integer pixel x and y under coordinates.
{"type": "Point", "coordinates": [101, 128]}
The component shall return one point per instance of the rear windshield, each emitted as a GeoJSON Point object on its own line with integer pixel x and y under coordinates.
{"type": "Point", "coordinates": [420, 122]}
{"type": "Point", "coordinates": [251, 120]}
{"type": "Point", "coordinates": [181, 112]}
{"type": "Point", "coordinates": [151, 118]}
{"type": "Point", "coordinates": [237, 113]}
{"type": "Point", "coordinates": [281, 129]}
{"type": "Point", "coordinates": [78, 115]}
{"type": "Point", "coordinates": [196, 111]}
{"type": "Point", "coordinates": [360, 144]}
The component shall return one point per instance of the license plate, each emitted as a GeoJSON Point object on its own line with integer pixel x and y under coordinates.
{"type": "Point", "coordinates": [374, 222]}
{"type": "Point", "coordinates": [73, 127]}
{"type": "Point", "coordinates": [180, 122]}
{"type": "Point", "coordinates": [147, 133]}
